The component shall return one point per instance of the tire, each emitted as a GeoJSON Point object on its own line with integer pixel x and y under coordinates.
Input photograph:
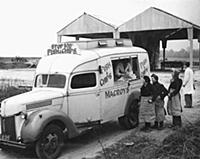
{"type": "Point", "coordinates": [50, 142]}
{"type": "Point", "coordinates": [131, 119]}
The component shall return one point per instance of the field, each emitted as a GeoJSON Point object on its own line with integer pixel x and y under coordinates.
{"type": "Point", "coordinates": [16, 77]}
{"type": "Point", "coordinates": [18, 62]}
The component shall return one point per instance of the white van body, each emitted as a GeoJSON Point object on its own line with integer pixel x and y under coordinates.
{"type": "Point", "coordinates": [77, 86]}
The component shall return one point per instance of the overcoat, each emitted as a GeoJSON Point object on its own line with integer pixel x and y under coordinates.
{"type": "Point", "coordinates": [188, 81]}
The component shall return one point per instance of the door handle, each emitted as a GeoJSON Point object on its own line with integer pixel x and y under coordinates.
{"type": "Point", "coordinates": [97, 94]}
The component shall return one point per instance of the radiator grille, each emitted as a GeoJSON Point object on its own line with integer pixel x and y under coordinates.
{"type": "Point", "coordinates": [8, 128]}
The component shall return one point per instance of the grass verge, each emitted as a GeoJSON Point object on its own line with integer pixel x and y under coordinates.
{"type": "Point", "coordinates": [183, 143]}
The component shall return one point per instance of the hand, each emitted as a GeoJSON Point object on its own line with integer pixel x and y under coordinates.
{"type": "Point", "coordinates": [158, 97]}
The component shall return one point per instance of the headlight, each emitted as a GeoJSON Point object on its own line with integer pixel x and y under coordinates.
{"type": "Point", "coordinates": [23, 115]}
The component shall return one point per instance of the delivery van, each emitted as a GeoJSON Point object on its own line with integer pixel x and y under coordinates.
{"type": "Point", "coordinates": [78, 85]}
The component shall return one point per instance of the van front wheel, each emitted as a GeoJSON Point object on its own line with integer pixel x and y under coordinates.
{"type": "Point", "coordinates": [50, 143]}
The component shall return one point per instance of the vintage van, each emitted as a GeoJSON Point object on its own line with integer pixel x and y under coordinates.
{"type": "Point", "coordinates": [77, 85]}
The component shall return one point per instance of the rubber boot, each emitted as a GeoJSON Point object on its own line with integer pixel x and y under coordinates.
{"type": "Point", "coordinates": [161, 125]}
{"type": "Point", "coordinates": [155, 126]}
{"type": "Point", "coordinates": [177, 122]}
{"type": "Point", "coordinates": [173, 120]}
{"type": "Point", "coordinates": [146, 127]}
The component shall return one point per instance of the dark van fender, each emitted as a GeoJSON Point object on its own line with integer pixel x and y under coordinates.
{"type": "Point", "coordinates": [37, 121]}
{"type": "Point", "coordinates": [134, 96]}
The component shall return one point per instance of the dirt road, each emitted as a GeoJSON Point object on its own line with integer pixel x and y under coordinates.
{"type": "Point", "coordinates": [93, 141]}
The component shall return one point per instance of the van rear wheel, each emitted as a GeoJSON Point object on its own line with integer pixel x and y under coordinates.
{"type": "Point", "coordinates": [50, 143]}
{"type": "Point", "coordinates": [131, 119]}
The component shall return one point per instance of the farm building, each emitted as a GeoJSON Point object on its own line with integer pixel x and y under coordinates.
{"type": "Point", "coordinates": [146, 30]}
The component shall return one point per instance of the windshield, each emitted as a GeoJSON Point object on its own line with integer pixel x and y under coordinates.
{"type": "Point", "coordinates": [50, 80]}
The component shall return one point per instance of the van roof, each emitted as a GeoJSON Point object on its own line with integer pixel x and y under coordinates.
{"type": "Point", "coordinates": [67, 62]}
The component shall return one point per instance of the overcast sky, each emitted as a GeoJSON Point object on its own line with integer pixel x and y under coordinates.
{"type": "Point", "coordinates": [29, 27]}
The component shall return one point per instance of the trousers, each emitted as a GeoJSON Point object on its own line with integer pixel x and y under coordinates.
{"type": "Point", "coordinates": [188, 100]}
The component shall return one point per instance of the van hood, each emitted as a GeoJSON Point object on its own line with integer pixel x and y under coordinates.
{"type": "Point", "coordinates": [30, 100]}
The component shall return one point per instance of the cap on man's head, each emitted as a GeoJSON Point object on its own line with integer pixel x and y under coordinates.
{"type": "Point", "coordinates": [155, 77]}
{"type": "Point", "coordinates": [187, 64]}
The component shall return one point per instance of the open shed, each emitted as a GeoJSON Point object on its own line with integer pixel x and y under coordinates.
{"type": "Point", "coordinates": [87, 26]}
{"type": "Point", "coordinates": [149, 27]}
{"type": "Point", "coordinates": [145, 30]}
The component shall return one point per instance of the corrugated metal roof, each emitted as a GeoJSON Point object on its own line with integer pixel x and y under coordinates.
{"type": "Point", "coordinates": [86, 24]}
{"type": "Point", "coordinates": [155, 19]}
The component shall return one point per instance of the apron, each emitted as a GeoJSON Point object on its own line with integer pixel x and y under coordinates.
{"type": "Point", "coordinates": [174, 107]}
{"type": "Point", "coordinates": [159, 110]}
{"type": "Point", "coordinates": [147, 111]}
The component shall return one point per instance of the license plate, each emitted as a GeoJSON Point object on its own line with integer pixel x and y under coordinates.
{"type": "Point", "coordinates": [5, 137]}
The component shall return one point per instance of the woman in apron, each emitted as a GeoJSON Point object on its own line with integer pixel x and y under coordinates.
{"type": "Point", "coordinates": [174, 107]}
{"type": "Point", "coordinates": [146, 108]}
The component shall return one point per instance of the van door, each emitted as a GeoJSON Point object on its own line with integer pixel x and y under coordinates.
{"type": "Point", "coordinates": [84, 99]}
{"type": "Point", "coordinates": [112, 94]}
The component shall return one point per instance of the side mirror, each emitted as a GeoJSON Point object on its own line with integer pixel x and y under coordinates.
{"type": "Point", "coordinates": [100, 69]}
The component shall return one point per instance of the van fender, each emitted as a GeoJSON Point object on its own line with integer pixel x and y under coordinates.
{"type": "Point", "coordinates": [133, 97]}
{"type": "Point", "coordinates": [130, 118]}
{"type": "Point", "coordinates": [37, 121]}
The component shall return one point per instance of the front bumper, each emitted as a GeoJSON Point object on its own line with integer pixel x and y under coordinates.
{"type": "Point", "coordinates": [13, 144]}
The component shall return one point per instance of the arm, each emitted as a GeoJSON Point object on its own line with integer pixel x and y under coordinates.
{"type": "Point", "coordinates": [177, 89]}
{"type": "Point", "coordinates": [164, 92]}
{"type": "Point", "coordinates": [154, 94]}
{"type": "Point", "coordinates": [151, 91]}
{"type": "Point", "coordinates": [119, 71]}
{"type": "Point", "coordinates": [186, 77]}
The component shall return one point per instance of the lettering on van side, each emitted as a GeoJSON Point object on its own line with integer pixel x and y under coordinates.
{"type": "Point", "coordinates": [106, 73]}
{"type": "Point", "coordinates": [144, 67]}
{"type": "Point", "coordinates": [116, 92]}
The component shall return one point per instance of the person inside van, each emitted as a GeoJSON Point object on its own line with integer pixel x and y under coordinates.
{"type": "Point", "coordinates": [129, 71]}
{"type": "Point", "coordinates": [119, 71]}
{"type": "Point", "coordinates": [124, 71]}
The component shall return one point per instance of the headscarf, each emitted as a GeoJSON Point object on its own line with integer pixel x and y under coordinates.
{"type": "Point", "coordinates": [146, 79]}
{"type": "Point", "coordinates": [155, 77]}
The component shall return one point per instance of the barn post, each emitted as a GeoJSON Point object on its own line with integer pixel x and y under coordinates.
{"type": "Point", "coordinates": [116, 34]}
{"type": "Point", "coordinates": [77, 38]}
{"type": "Point", "coordinates": [164, 45]}
{"type": "Point", "coordinates": [199, 48]}
{"type": "Point", "coordinates": [59, 38]}
{"type": "Point", "coordinates": [190, 38]}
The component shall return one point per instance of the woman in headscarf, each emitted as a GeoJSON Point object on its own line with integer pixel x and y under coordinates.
{"type": "Point", "coordinates": [146, 108]}
{"type": "Point", "coordinates": [174, 107]}
{"type": "Point", "coordinates": [159, 93]}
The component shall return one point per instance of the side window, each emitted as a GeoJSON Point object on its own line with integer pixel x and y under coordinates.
{"type": "Point", "coordinates": [125, 69]}
{"type": "Point", "coordinates": [135, 67]}
{"type": "Point", "coordinates": [41, 80]}
{"type": "Point", "coordinates": [83, 81]}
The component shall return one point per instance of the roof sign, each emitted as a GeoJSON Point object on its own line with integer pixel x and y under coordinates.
{"type": "Point", "coordinates": [63, 48]}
